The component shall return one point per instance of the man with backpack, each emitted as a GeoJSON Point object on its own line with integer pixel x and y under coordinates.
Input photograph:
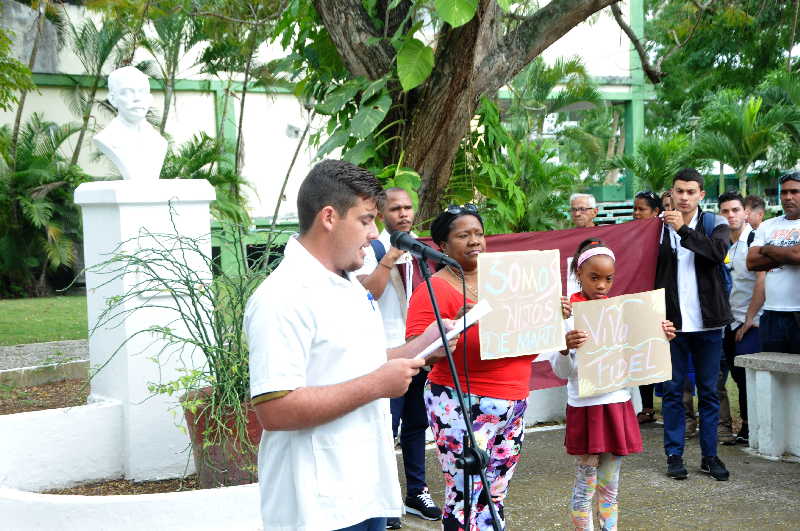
{"type": "Point", "coordinates": [692, 250]}
{"type": "Point", "coordinates": [389, 274]}
{"type": "Point", "coordinates": [746, 299]}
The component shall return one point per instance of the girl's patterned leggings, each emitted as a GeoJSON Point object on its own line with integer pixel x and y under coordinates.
{"type": "Point", "coordinates": [603, 479]}
{"type": "Point", "coordinates": [499, 430]}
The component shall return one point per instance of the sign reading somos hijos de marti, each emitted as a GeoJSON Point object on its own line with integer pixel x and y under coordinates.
{"type": "Point", "coordinates": [524, 290]}
{"type": "Point", "coordinates": [626, 345]}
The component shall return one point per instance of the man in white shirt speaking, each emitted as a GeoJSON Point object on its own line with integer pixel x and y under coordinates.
{"type": "Point", "coordinates": [319, 369]}
{"type": "Point", "coordinates": [389, 274]}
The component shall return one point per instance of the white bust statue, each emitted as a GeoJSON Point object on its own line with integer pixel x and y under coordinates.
{"type": "Point", "coordinates": [132, 144]}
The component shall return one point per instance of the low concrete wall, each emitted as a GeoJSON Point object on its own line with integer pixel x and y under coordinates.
{"type": "Point", "coordinates": [773, 402]}
{"type": "Point", "coordinates": [229, 508]}
{"type": "Point", "coordinates": [43, 374]}
{"type": "Point", "coordinates": [546, 405]}
{"type": "Point", "coordinates": [61, 447]}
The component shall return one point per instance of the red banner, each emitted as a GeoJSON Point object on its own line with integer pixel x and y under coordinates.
{"type": "Point", "coordinates": [635, 245]}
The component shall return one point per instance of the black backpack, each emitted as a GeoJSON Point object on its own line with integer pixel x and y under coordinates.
{"type": "Point", "coordinates": [709, 219]}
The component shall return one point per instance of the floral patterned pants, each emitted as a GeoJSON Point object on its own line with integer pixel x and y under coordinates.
{"type": "Point", "coordinates": [499, 430]}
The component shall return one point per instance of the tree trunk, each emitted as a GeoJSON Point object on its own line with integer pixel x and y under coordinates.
{"type": "Point", "coordinates": [743, 181]}
{"type": "Point", "coordinates": [247, 68]}
{"type": "Point", "coordinates": [12, 149]}
{"type": "Point", "coordinates": [87, 114]}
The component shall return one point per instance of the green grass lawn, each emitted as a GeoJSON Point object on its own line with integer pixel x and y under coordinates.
{"type": "Point", "coordinates": [42, 319]}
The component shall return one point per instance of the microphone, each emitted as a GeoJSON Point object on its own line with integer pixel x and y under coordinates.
{"type": "Point", "coordinates": [405, 242]}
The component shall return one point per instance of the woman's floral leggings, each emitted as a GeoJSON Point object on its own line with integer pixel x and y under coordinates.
{"type": "Point", "coordinates": [499, 429]}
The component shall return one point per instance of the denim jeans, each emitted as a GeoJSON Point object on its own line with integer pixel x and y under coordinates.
{"type": "Point", "coordinates": [780, 331]}
{"type": "Point", "coordinates": [705, 351]}
{"type": "Point", "coordinates": [748, 345]}
{"type": "Point", "coordinates": [410, 408]}
{"type": "Point", "coordinates": [373, 524]}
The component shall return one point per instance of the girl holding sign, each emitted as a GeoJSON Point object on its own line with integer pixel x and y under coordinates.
{"type": "Point", "coordinates": [600, 429]}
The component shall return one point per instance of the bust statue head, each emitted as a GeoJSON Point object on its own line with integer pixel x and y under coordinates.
{"type": "Point", "coordinates": [129, 92]}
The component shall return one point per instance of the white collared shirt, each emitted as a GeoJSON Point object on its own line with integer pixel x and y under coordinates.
{"type": "Point", "coordinates": [307, 326]}
{"type": "Point", "coordinates": [394, 316]}
{"type": "Point", "coordinates": [743, 279]}
{"type": "Point", "coordinates": [688, 296]}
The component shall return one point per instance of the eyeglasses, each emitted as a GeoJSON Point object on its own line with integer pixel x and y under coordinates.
{"type": "Point", "coordinates": [793, 176]}
{"type": "Point", "coordinates": [468, 208]}
{"type": "Point", "coordinates": [575, 210]}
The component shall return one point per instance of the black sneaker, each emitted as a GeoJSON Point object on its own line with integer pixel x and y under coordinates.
{"type": "Point", "coordinates": [421, 504]}
{"type": "Point", "coordinates": [715, 467]}
{"type": "Point", "coordinates": [675, 468]}
{"type": "Point", "coordinates": [394, 523]}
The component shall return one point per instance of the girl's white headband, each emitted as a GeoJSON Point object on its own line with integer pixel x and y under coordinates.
{"type": "Point", "coordinates": [595, 251]}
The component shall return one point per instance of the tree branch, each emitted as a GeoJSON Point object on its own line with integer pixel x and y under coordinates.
{"type": "Point", "coordinates": [528, 40]}
{"type": "Point", "coordinates": [654, 75]}
{"type": "Point", "coordinates": [351, 30]}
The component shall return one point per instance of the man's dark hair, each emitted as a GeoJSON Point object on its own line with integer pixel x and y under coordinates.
{"type": "Point", "coordinates": [730, 196]}
{"type": "Point", "coordinates": [385, 196]}
{"type": "Point", "coordinates": [689, 175]}
{"type": "Point", "coordinates": [753, 202]}
{"type": "Point", "coordinates": [334, 183]}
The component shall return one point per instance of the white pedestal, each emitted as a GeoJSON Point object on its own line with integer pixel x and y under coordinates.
{"type": "Point", "coordinates": [123, 213]}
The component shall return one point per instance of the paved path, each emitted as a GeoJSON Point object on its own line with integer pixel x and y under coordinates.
{"type": "Point", "coordinates": [32, 354]}
{"type": "Point", "coordinates": [761, 494]}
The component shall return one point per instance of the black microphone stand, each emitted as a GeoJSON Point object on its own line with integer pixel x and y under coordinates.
{"type": "Point", "coordinates": [472, 460]}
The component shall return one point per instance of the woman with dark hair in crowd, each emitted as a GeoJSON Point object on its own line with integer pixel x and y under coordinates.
{"type": "Point", "coordinates": [646, 205]}
{"type": "Point", "coordinates": [666, 200]}
{"type": "Point", "coordinates": [498, 388]}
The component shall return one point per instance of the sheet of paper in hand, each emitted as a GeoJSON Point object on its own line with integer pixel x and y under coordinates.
{"type": "Point", "coordinates": [524, 289]}
{"type": "Point", "coordinates": [626, 345]}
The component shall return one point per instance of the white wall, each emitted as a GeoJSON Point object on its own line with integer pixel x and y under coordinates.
{"type": "Point", "coordinates": [229, 508]}
{"type": "Point", "coordinates": [60, 447]}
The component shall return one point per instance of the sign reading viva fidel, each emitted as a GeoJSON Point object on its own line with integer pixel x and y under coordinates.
{"type": "Point", "coordinates": [626, 345]}
{"type": "Point", "coordinates": [524, 290]}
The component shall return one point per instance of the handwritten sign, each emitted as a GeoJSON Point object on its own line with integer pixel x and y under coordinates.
{"type": "Point", "coordinates": [626, 345]}
{"type": "Point", "coordinates": [524, 289]}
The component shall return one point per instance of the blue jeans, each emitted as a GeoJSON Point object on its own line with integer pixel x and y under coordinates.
{"type": "Point", "coordinates": [780, 331]}
{"type": "Point", "coordinates": [410, 408]}
{"type": "Point", "coordinates": [373, 524]}
{"type": "Point", "coordinates": [705, 351]}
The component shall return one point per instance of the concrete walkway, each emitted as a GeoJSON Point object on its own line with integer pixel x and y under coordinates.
{"type": "Point", "coordinates": [761, 494]}
{"type": "Point", "coordinates": [33, 354]}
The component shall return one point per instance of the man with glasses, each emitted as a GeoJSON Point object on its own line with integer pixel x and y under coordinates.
{"type": "Point", "coordinates": [389, 274]}
{"type": "Point", "coordinates": [776, 250]}
{"type": "Point", "coordinates": [583, 210]}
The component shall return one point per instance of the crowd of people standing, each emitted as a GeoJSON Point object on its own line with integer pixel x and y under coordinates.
{"type": "Point", "coordinates": [319, 378]}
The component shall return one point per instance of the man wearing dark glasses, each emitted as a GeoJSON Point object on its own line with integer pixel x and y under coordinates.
{"type": "Point", "coordinates": [776, 250]}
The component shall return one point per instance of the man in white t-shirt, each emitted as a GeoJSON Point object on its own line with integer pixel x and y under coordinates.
{"type": "Point", "coordinates": [319, 374]}
{"type": "Point", "coordinates": [389, 274]}
{"type": "Point", "coordinates": [776, 250]}
{"type": "Point", "coordinates": [746, 298]}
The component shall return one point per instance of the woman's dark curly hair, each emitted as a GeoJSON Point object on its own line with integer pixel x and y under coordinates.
{"type": "Point", "coordinates": [443, 224]}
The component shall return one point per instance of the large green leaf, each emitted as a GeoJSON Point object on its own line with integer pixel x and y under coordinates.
{"type": "Point", "coordinates": [360, 152]}
{"type": "Point", "coordinates": [370, 115]}
{"type": "Point", "coordinates": [337, 139]}
{"type": "Point", "coordinates": [414, 63]}
{"type": "Point", "coordinates": [456, 12]}
{"type": "Point", "coordinates": [505, 5]}
{"type": "Point", "coordinates": [338, 97]}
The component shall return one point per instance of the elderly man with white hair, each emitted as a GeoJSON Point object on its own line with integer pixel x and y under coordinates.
{"type": "Point", "coordinates": [132, 144]}
{"type": "Point", "coordinates": [583, 210]}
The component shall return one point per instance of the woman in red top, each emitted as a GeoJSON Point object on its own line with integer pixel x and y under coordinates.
{"type": "Point", "coordinates": [497, 389]}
